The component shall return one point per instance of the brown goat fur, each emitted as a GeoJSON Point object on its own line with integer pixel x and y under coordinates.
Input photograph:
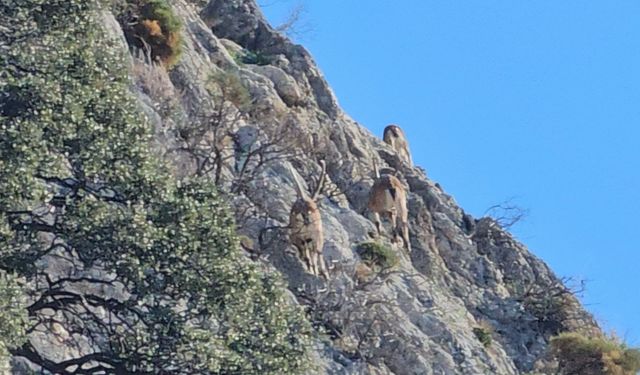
{"type": "Point", "coordinates": [388, 198]}
{"type": "Point", "coordinates": [306, 231]}
{"type": "Point", "coordinates": [394, 136]}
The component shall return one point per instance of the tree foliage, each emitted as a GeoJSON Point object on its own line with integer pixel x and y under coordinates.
{"type": "Point", "coordinates": [13, 318]}
{"type": "Point", "coordinates": [140, 273]}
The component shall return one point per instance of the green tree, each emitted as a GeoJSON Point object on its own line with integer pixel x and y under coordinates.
{"type": "Point", "coordinates": [13, 319]}
{"type": "Point", "coordinates": [154, 281]}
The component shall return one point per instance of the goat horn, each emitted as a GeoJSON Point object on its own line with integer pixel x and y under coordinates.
{"type": "Point", "coordinates": [297, 182]}
{"type": "Point", "coordinates": [323, 175]}
{"type": "Point", "coordinates": [376, 171]}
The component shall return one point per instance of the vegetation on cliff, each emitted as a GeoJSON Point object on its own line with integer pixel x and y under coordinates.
{"type": "Point", "coordinates": [578, 354]}
{"type": "Point", "coordinates": [138, 272]}
{"type": "Point", "coordinates": [151, 26]}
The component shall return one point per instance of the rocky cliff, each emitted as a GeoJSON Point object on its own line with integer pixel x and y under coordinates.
{"type": "Point", "coordinates": [243, 104]}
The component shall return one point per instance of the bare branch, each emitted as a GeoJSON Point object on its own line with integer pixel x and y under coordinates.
{"type": "Point", "coordinates": [506, 214]}
{"type": "Point", "coordinates": [293, 25]}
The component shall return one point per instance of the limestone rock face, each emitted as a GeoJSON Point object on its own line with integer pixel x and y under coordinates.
{"type": "Point", "coordinates": [242, 22]}
{"type": "Point", "coordinates": [419, 317]}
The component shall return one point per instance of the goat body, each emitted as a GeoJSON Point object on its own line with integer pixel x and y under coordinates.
{"type": "Point", "coordinates": [388, 198]}
{"type": "Point", "coordinates": [306, 231]}
{"type": "Point", "coordinates": [394, 136]}
{"type": "Point", "coordinates": [307, 234]}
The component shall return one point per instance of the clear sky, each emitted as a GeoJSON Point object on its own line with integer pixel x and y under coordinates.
{"type": "Point", "coordinates": [537, 100]}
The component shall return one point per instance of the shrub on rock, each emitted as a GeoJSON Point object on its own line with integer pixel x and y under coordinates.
{"type": "Point", "coordinates": [152, 26]}
{"type": "Point", "coordinates": [578, 354]}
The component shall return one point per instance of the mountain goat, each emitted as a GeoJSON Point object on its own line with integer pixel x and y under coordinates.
{"type": "Point", "coordinates": [305, 224]}
{"type": "Point", "coordinates": [394, 136]}
{"type": "Point", "coordinates": [388, 197]}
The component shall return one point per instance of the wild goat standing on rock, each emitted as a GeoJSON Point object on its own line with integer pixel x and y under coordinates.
{"type": "Point", "coordinates": [394, 136]}
{"type": "Point", "coordinates": [388, 197]}
{"type": "Point", "coordinates": [305, 225]}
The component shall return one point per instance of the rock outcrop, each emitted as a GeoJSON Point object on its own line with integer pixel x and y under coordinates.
{"type": "Point", "coordinates": [464, 277]}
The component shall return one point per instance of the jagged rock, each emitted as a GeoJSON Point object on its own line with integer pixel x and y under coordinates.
{"type": "Point", "coordinates": [285, 86]}
{"type": "Point", "coordinates": [242, 22]}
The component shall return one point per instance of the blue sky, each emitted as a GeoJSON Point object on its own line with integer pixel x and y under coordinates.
{"type": "Point", "coordinates": [533, 100]}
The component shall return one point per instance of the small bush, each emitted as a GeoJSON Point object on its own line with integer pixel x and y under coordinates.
{"type": "Point", "coordinates": [161, 11]}
{"type": "Point", "coordinates": [377, 256]}
{"type": "Point", "coordinates": [228, 87]}
{"type": "Point", "coordinates": [577, 354]}
{"type": "Point", "coordinates": [157, 30]}
{"type": "Point", "coordinates": [551, 302]}
{"type": "Point", "coordinates": [252, 58]}
{"type": "Point", "coordinates": [483, 334]}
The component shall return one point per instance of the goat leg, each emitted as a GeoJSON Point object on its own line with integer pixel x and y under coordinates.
{"type": "Point", "coordinates": [322, 265]}
{"type": "Point", "coordinates": [376, 221]}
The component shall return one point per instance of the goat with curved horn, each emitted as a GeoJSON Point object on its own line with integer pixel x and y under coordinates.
{"type": "Point", "coordinates": [305, 224]}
